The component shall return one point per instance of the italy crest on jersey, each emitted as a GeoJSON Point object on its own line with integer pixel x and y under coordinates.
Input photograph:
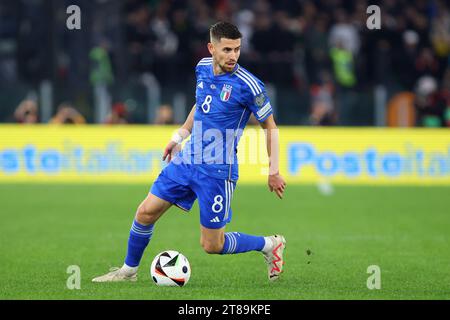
{"type": "Point", "coordinates": [226, 92]}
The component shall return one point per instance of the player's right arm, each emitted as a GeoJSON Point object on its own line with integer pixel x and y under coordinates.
{"type": "Point", "coordinates": [175, 144]}
{"type": "Point", "coordinates": [189, 123]}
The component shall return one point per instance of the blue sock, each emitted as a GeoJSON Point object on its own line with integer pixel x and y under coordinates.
{"type": "Point", "coordinates": [236, 242]}
{"type": "Point", "coordinates": [140, 236]}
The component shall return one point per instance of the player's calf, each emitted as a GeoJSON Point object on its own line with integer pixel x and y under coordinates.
{"type": "Point", "coordinates": [148, 212]}
{"type": "Point", "coordinates": [212, 247]}
{"type": "Point", "coordinates": [212, 240]}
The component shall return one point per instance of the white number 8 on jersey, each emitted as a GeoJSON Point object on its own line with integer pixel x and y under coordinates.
{"type": "Point", "coordinates": [206, 105]}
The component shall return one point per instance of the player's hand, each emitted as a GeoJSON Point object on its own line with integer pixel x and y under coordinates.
{"type": "Point", "coordinates": [277, 184]}
{"type": "Point", "coordinates": [171, 149]}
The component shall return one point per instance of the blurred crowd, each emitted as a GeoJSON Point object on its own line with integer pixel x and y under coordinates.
{"type": "Point", "coordinates": [321, 47]}
{"type": "Point", "coordinates": [27, 112]}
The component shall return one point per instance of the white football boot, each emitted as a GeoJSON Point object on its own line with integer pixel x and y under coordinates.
{"type": "Point", "coordinates": [115, 275]}
{"type": "Point", "coordinates": [274, 257]}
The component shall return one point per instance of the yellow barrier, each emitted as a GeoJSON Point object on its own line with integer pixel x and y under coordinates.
{"type": "Point", "coordinates": [129, 154]}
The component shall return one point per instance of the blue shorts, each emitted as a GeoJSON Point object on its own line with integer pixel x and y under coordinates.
{"type": "Point", "coordinates": [182, 184]}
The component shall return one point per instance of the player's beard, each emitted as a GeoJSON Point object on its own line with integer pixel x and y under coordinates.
{"type": "Point", "coordinates": [225, 68]}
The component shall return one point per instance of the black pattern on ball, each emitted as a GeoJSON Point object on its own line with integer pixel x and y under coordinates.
{"type": "Point", "coordinates": [185, 269]}
{"type": "Point", "coordinates": [154, 279]}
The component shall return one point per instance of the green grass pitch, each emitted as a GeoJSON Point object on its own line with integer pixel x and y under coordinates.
{"type": "Point", "coordinates": [331, 241]}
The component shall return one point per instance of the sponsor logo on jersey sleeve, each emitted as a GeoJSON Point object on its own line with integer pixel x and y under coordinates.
{"type": "Point", "coordinates": [260, 99]}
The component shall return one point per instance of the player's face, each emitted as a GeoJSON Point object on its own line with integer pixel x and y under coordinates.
{"type": "Point", "coordinates": [225, 53]}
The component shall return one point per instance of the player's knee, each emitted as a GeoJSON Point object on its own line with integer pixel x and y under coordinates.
{"type": "Point", "coordinates": [147, 214]}
{"type": "Point", "coordinates": [212, 247]}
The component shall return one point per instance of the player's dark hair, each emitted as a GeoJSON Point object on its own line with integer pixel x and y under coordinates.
{"type": "Point", "coordinates": [223, 29]}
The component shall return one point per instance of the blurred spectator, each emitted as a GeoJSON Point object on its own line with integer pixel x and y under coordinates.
{"type": "Point", "coordinates": [430, 103]}
{"type": "Point", "coordinates": [9, 24]}
{"type": "Point", "coordinates": [273, 46]}
{"type": "Point", "coordinates": [405, 59]}
{"type": "Point", "coordinates": [33, 43]}
{"type": "Point", "coordinates": [164, 115]}
{"type": "Point", "coordinates": [183, 30]}
{"type": "Point", "coordinates": [101, 71]}
{"type": "Point", "coordinates": [343, 66]}
{"type": "Point", "coordinates": [316, 46]}
{"type": "Point", "coordinates": [263, 34]}
{"type": "Point", "coordinates": [440, 31]}
{"type": "Point", "coordinates": [27, 112]}
{"type": "Point", "coordinates": [118, 114]}
{"type": "Point", "coordinates": [165, 45]}
{"type": "Point", "coordinates": [446, 96]}
{"type": "Point", "coordinates": [322, 102]}
{"type": "Point", "coordinates": [67, 114]}
{"type": "Point", "coordinates": [426, 63]}
{"type": "Point", "coordinates": [244, 20]}
{"type": "Point", "coordinates": [343, 34]}
{"type": "Point", "coordinates": [138, 36]}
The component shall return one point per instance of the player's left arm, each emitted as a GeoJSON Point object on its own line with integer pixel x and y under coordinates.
{"type": "Point", "coordinates": [275, 180]}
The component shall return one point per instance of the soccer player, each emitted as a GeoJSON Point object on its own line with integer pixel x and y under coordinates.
{"type": "Point", "coordinates": [207, 169]}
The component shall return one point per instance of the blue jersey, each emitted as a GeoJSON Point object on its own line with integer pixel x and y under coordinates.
{"type": "Point", "coordinates": [224, 104]}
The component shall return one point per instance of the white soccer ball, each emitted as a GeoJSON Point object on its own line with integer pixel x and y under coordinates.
{"type": "Point", "coordinates": [170, 268]}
